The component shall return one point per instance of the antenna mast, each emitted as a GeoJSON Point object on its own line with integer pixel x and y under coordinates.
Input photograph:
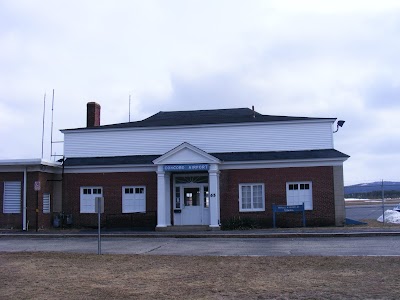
{"type": "Point", "coordinates": [129, 108]}
{"type": "Point", "coordinates": [44, 113]}
{"type": "Point", "coordinates": [51, 134]}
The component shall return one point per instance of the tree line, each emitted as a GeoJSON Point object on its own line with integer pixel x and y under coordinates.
{"type": "Point", "coordinates": [373, 195]}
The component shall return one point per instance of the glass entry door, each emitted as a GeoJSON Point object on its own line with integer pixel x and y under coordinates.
{"type": "Point", "coordinates": [192, 204]}
{"type": "Point", "coordinates": [192, 211]}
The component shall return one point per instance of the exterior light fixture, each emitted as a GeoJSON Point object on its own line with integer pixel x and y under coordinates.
{"type": "Point", "coordinates": [339, 124]}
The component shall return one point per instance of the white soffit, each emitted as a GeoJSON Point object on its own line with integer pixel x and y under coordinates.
{"type": "Point", "coordinates": [282, 164]}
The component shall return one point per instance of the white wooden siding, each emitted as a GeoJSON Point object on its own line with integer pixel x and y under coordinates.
{"type": "Point", "coordinates": [212, 139]}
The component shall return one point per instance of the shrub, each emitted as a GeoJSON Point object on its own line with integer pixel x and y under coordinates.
{"type": "Point", "coordinates": [239, 223]}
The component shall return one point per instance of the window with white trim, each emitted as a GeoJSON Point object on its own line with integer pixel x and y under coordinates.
{"type": "Point", "coordinates": [133, 199]}
{"type": "Point", "coordinates": [251, 197]}
{"type": "Point", "coordinates": [298, 193]}
{"type": "Point", "coordinates": [88, 198]}
{"type": "Point", "coordinates": [46, 203]}
{"type": "Point", "coordinates": [12, 197]}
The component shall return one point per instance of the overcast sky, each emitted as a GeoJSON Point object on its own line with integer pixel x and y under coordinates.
{"type": "Point", "coordinates": [299, 58]}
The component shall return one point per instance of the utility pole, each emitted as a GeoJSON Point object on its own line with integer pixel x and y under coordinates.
{"type": "Point", "coordinates": [383, 203]}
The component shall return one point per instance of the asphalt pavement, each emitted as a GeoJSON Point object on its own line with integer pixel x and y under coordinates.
{"type": "Point", "coordinates": [311, 246]}
{"type": "Point", "coordinates": [366, 212]}
{"type": "Point", "coordinates": [348, 240]}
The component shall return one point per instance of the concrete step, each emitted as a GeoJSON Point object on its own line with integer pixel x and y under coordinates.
{"type": "Point", "coordinates": [186, 228]}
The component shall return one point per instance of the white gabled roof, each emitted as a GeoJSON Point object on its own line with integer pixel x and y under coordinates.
{"type": "Point", "coordinates": [186, 153]}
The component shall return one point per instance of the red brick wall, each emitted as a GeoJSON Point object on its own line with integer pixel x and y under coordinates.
{"type": "Point", "coordinates": [112, 192]}
{"type": "Point", "coordinates": [323, 212]}
{"type": "Point", "coordinates": [15, 220]}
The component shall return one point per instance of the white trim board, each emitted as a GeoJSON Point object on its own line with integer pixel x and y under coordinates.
{"type": "Point", "coordinates": [108, 129]}
{"type": "Point", "coordinates": [222, 166]}
{"type": "Point", "coordinates": [110, 169]}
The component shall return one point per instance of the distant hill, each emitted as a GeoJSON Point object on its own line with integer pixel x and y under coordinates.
{"type": "Point", "coordinates": [372, 190]}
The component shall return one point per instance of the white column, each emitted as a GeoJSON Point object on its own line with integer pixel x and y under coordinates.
{"type": "Point", "coordinates": [214, 195]}
{"type": "Point", "coordinates": [161, 201]}
{"type": "Point", "coordinates": [168, 198]}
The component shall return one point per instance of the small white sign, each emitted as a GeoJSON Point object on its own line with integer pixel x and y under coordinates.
{"type": "Point", "coordinates": [37, 186]}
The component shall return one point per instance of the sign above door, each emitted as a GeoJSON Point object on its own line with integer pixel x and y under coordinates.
{"type": "Point", "coordinates": [187, 167]}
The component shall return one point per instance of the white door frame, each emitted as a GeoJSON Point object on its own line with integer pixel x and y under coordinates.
{"type": "Point", "coordinates": [179, 213]}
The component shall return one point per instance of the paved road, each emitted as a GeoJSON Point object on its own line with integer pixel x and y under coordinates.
{"type": "Point", "coordinates": [338, 246]}
{"type": "Point", "coordinates": [366, 212]}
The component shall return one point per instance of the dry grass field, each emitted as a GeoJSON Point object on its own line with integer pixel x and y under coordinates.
{"type": "Point", "coordinates": [84, 276]}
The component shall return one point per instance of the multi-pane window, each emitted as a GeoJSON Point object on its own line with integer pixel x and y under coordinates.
{"type": "Point", "coordinates": [133, 199]}
{"type": "Point", "coordinates": [251, 197]}
{"type": "Point", "coordinates": [206, 198]}
{"type": "Point", "coordinates": [177, 197]}
{"type": "Point", "coordinates": [12, 197]}
{"type": "Point", "coordinates": [298, 193]}
{"type": "Point", "coordinates": [92, 191]}
{"type": "Point", "coordinates": [88, 197]}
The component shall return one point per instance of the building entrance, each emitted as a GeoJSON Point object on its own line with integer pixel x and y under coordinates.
{"type": "Point", "coordinates": [192, 204]}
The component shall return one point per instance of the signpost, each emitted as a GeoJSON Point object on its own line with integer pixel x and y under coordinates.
{"type": "Point", "coordinates": [383, 204]}
{"type": "Point", "coordinates": [36, 187]}
{"type": "Point", "coordinates": [99, 209]}
{"type": "Point", "coordinates": [288, 209]}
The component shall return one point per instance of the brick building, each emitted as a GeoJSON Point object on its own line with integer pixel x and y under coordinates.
{"type": "Point", "coordinates": [21, 205]}
{"type": "Point", "coordinates": [202, 168]}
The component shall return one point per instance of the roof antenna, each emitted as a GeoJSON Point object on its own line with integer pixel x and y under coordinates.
{"type": "Point", "coordinates": [129, 108]}
{"type": "Point", "coordinates": [254, 113]}
{"type": "Point", "coordinates": [51, 132]}
{"type": "Point", "coordinates": [44, 113]}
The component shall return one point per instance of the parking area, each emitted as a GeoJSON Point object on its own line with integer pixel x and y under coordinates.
{"type": "Point", "coordinates": [367, 211]}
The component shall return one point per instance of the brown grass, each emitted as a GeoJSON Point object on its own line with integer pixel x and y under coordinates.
{"type": "Point", "coordinates": [85, 276]}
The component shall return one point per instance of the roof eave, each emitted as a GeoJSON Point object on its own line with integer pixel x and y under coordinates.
{"type": "Point", "coordinates": [105, 128]}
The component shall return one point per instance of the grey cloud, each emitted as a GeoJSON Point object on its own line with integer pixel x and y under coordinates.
{"type": "Point", "coordinates": [215, 91]}
{"type": "Point", "coordinates": [382, 94]}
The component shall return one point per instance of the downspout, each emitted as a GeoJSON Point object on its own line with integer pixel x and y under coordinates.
{"type": "Point", "coordinates": [24, 202]}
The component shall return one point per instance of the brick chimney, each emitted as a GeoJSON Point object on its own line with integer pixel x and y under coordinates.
{"type": "Point", "coordinates": [93, 114]}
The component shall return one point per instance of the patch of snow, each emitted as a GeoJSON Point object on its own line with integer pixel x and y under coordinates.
{"type": "Point", "coordinates": [391, 216]}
